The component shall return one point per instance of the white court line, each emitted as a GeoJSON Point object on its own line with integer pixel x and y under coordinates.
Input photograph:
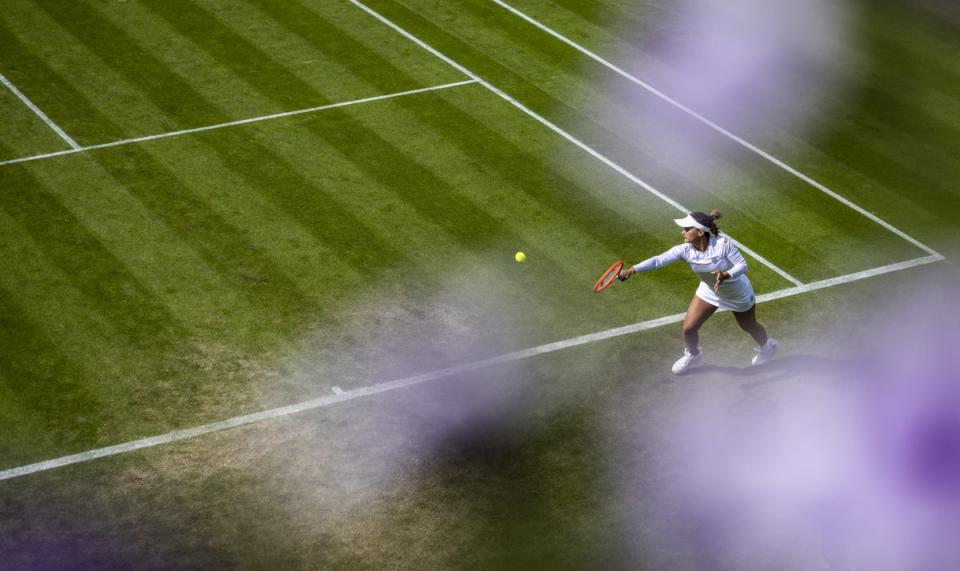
{"type": "Point", "coordinates": [596, 154]}
{"type": "Point", "coordinates": [238, 122]}
{"type": "Point", "coordinates": [849, 278]}
{"type": "Point", "coordinates": [719, 129]}
{"type": "Point", "coordinates": [38, 112]}
{"type": "Point", "coordinates": [342, 396]}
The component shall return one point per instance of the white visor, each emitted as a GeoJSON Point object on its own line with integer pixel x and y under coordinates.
{"type": "Point", "coordinates": [689, 222]}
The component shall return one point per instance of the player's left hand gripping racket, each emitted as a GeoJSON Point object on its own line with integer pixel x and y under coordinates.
{"type": "Point", "coordinates": [608, 277]}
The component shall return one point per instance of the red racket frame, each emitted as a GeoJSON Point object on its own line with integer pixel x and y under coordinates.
{"type": "Point", "coordinates": [615, 268]}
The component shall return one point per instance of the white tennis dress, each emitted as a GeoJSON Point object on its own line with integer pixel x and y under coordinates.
{"type": "Point", "coordinates": [735, 294]}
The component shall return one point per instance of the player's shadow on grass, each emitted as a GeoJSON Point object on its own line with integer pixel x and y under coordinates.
{"type": "Point", "coordinates": [783, 369]}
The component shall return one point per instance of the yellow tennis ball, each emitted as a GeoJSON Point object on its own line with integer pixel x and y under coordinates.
{"type": "Point", "coordinates": [520, 257]}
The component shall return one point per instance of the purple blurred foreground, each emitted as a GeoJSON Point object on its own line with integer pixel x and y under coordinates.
{"type": "Point", "coordinates": [851, 464]}
{"type": "Point", "coordinates": [747, 65]}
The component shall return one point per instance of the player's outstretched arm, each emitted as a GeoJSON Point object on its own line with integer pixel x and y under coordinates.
{"type": "Point", "coordinates": [654, 263]}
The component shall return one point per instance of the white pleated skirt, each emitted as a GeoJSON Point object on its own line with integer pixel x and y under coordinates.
{"type": "Point", "coordinates": [734, 295]}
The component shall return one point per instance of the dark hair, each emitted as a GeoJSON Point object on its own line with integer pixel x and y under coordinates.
{"type": "Point", "coordinates": [708, 220]}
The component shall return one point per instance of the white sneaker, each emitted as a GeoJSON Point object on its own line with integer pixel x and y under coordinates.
{"type": "Point", "coordinates": [687, 361]}
{"type": "Point", "coordinates": [765, 352]}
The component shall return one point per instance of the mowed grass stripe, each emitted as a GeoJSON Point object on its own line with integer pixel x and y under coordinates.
{"type": "Point", "coordinates": [611, 124]}
{"type": "Point", "coordinates": [314, 206]}
{"type": "Point", "coordinates": [518, 85]}
{"type": "Point", "coordinates": [902, 106]}
{"type": "Point", "coordinates": [529, 112]}
{"type": "Point", "coordinates": [150, 193]}
{"type": "Point", "coordinates": [165, 379]}
{"type": "Point", "coordinates": [907, 108]}
{"type": "Point", "coordinates": [237, 265]}
{"type": "Point", "coordinates": [82, 257]}
{"type": "Point", "coordinates": [563, 258]}
{"type": "Point", "coordinates": [46, 397]}
{"type": "Point", "coordinates": [876, 86]}
{"type": "Point", "coordinates": [245, 185]}
{"type": "Point", "coordinates": [892, 125]}
{"type": "Point", "coordinates": [23, 132]}
{"type": "Point", "coordinates": [170, 93]}
{"type": "Point", "coordinates": [273, 78]}
{"type": "Point", "coordinates": [431, 252]}
{"type": "Point", "coordinates": [332, 67]}
{"type": "Point", "coordinates": [384, 72]}
{"type": "Point", "coordinates": [363, 227]}
{"type": "Point", "coordinates": [192, 291]}
{"type": "Point", "coordinates": [57, 314]}
{"type": "Point", "coordinates": [431, 197]}
{"type": "Point", "coordinates": [177, 61]}
{"type": "Point", "coordinates": [232, 48]}
{"type": "Point", "coordinates": [88, 51]}
{"type": "Point", "coordinates": [207, 76]}
{"type": "Point", "coordinates": [881, 157]}
{"type": "Point", "coordinates": [886, 86]}
{"type": "Point", "coordinates": [922, 49]}
{"type": "Point", "coordinates": [245, 57]}
{"type": "Point", "coordinates": [244, 271]}
{"type": "Point", "coordinates": [602, 213]}
{"type": "Point", "coordinates": [824, 230]}
{"type": "Point", "coordinates": [746, 180]}
{"type": "Point", "coordinates": [427, 191]}
{"type": "Point", "coordinates": [625, 23]}
{"type": "Point", "coordinates": [171, 200]}
{"type": "Point", "coordinates": [919, 211]}
{"type": "Point", "coordinates": [59, 98]}
{"type": "Point", "coordinates": [487, 145]}
{"type": "Point", "coordinates": [106, 266]}
{"type": "Point", "coordinates": [340, 26]}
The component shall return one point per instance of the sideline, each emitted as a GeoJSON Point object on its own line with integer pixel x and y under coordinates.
{"type": "Point", "coordinates": [719, 129]}
{"type": "Point", "coordinates": [553, 127]}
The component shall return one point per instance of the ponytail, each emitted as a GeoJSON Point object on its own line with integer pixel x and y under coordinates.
{"type": "Point", "coordinates": [706, 220]}
{"type": "Point", "coordinates": [715, 215]}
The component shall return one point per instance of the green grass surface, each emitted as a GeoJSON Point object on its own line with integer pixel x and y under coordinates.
{"type": "Point", "coordinates": [164, 284]}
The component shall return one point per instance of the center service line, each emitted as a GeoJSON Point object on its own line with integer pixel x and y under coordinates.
{"type": "Point", "coordinates": [342, 396]}
{"type": "Point", "coordinates": [596, 154]}
{"type": "Point", "coordinates": [56, 128]}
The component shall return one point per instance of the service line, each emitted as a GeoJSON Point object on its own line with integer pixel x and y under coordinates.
{"type": "Point", "coordinates": [238, 122]}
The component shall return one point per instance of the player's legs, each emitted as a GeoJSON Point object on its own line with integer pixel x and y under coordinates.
{"type": "Point", "coordinates": [747, 320]}
{"type": "Point", "coordinates": [698, 312]}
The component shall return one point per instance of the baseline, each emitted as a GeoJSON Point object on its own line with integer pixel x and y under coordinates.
{"type": "Point", "coordinates": [719, 129]}
{"type": "Point", "coordinates": [340, 395]}
{"type": "Point", "coordinates": [553, 127]}
{"type": "Point", "coordinates": [238, 122]}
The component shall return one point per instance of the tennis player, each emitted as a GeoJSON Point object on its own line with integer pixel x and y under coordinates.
{"type": "Point", "coordinates": [723, 285]}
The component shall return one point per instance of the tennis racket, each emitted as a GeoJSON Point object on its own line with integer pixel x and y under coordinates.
{"type": "Point", "coordinates": [608, 277]}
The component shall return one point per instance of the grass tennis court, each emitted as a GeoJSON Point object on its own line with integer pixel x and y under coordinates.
{"type": "Point", "coordinates": [253, 205]}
